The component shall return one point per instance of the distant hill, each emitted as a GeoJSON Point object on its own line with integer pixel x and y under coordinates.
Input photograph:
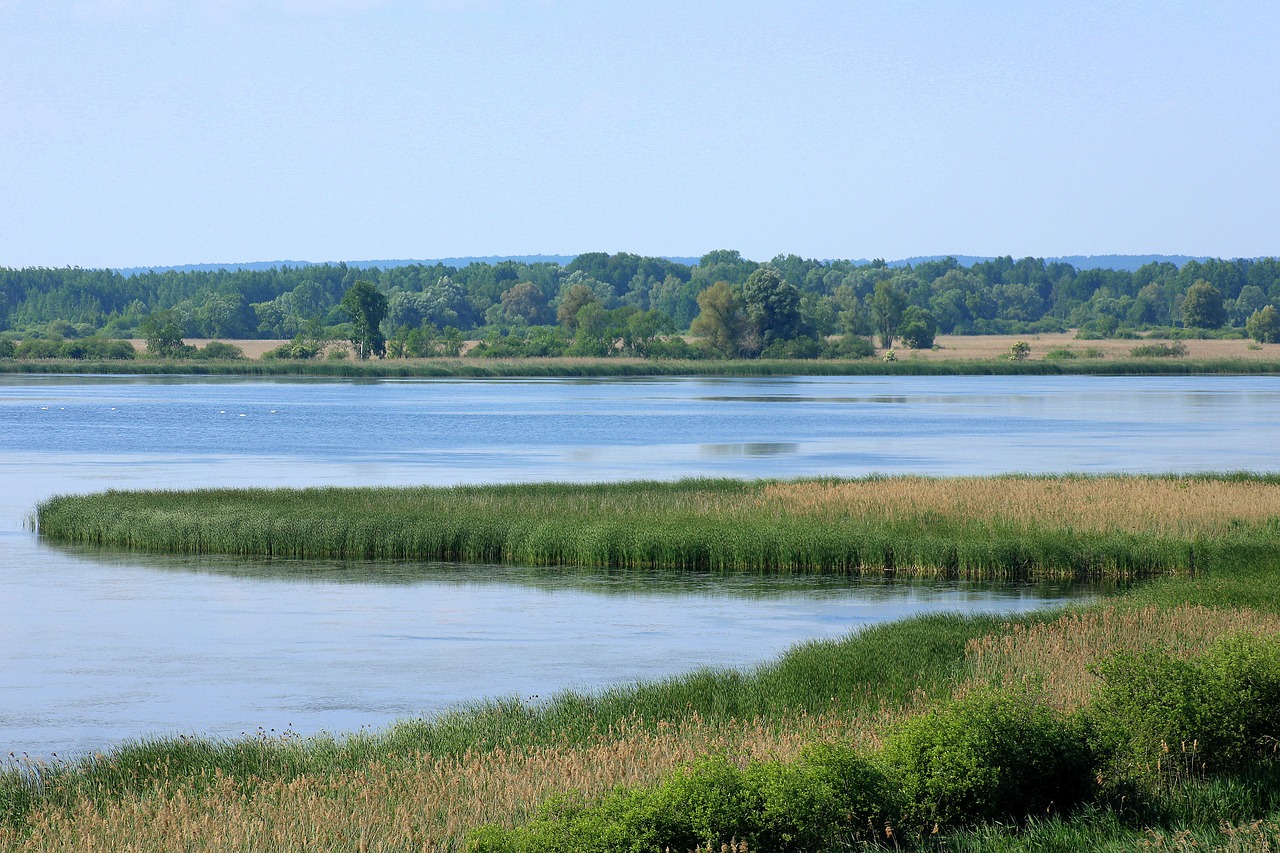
{"type": "Point", "coordinates": [1130, 263]}
{"type": "Point", "coordinates": [1081, 262]}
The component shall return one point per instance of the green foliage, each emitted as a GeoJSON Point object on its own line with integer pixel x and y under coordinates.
{"type": "Point", "coordinates": [366, 306]}
{"type": "Point", "coordinates": [1020, 351]}
{"type": "Point", "coordinates": [1263, 325]}
{"type": "Point", "coordinates": [1160, 717]}
{"type": "Point", "coordinates": [1177, 349]}
{"type": "Point", "coordinates": [219, 350]}
{"type": "Point", "coordinates": [163, 333]}
{"type": "Point", "coordinates": [989, 756]}
{"type": "Point", "coordinates": [7, 348]}
{"type": "Point", "coordinates": [888, 303]}
{"type": "Point", "coordinates": [773, 305]}
{"type": "Point", "coordinates": [723, 321]}
{"type": "Point", "coordinates": [918, 328]}
{"type": "Point", "coordinates": [1202, 306]}
{"type": "Point", "coordinates": [787, 807]}
{"type": "Point", "coordinates": [849, 346]}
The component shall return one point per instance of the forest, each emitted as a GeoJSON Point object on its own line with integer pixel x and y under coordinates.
{"type": "Point", "coordinates": [626, 304]}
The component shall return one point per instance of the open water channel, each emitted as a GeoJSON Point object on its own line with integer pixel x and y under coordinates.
{"type": "Point", "coordinates": [97, 648]}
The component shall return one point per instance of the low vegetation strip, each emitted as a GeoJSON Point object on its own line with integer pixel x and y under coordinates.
{"type": "Point", "coordinates": [1111, 526]}
{"type": "Point", "coordinates": [469, 368]}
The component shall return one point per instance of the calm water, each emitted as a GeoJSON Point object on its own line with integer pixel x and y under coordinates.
{"type": "Point", "coordinates": [96, 648]}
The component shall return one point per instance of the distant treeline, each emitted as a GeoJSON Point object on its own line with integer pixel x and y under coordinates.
{"type": "Point", "coordinates": [759, 305]}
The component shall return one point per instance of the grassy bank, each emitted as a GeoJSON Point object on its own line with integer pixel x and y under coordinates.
{"type": "Point", "coordinates": [475, 368]}
{"type": "Point", "coordinates": [427, 785]}
{"type": "Point", "coordinates": [1112, 526]}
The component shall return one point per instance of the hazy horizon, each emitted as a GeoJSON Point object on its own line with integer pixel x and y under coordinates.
{"type": "Point", "coordinates": [143, 133]}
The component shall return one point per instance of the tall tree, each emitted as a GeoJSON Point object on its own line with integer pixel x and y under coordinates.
{"type": "Point", "coordinates": [1202, 307]}
{"type": "Point", "coordinates": [887, 304]}
{"type": "Point", "coordinates": [367, 306]}
{"type": "Point", "coordinates": [722, 319]}
{"type": "Point", "coordinates": [772, 304]}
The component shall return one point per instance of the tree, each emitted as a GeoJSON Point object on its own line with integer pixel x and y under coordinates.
{"type": "Point", "coordinates": [722, 319]}
{"type": "Point", "coordinates": [918, 328]}
{"type": "Point", "coordinates": [367, 306]}
{"type": "Point", "coordinates": [163, 333]}
{"type": "Point", "coordinates": [525, 302]}
{"type": "Point", "coordinates": [887, 304]}
{"type": "Point", "coordinates": [578, 296]}
{"type": "Point", "coordinates": [1252, 298]}
{"type": "Point", "coordinates": [1202, 307]}
{"type": "Point", "coordinates": [1263, 325]}
{"type": "Point", "coordinates": [772, 304]}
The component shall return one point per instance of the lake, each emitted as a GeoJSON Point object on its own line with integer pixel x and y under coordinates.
{"type": "Point", "coordinates": [96, 648]}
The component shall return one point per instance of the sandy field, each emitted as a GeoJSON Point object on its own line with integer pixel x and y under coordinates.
{"type": "Point", "coordinates": [950, 347]}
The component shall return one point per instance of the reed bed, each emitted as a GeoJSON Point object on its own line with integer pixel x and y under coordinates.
{"type": "Point", "coordinates": [996, 527]}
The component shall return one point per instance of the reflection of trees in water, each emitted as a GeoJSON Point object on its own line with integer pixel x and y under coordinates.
{"type": "Point", "coordinates": [617, 581]}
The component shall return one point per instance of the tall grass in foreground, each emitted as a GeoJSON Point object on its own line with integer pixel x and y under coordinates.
{"type": "Point", "coordinates": [1012, 526]}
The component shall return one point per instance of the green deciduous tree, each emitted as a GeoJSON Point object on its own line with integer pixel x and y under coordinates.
{"type": "Point", "coordinates": [888, 303]}
{"type": "Point", "coordinates": [918, 328]}
{"type": "Point", "coordinates": [574, 299]}
{"type": "Point", "coordinates": [1202, 307]}
{"type": "Point", "coordinates": [722, 320]}
{"type": "Point", "coordinates": [773, 305]}
{"type": "Point", "coordinates": [366, 306]}
{"type": "Point", "coordinates": [1263, 325]}
{"type": "Point", "coordinates": [163, 333]}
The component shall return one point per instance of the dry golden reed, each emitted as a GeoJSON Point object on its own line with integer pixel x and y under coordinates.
{"type": "Point", "coordinates": [1170, 506]}
{"type": "Point", "coordinates": [416, 803]}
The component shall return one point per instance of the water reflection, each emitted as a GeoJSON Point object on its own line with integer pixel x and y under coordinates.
{"type": "Point", "coordinates": [602, 581]}
{"type": "Point", "coordinates": [751, 448]}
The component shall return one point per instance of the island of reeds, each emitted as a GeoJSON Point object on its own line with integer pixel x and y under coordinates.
{"type": "Point", "coordinates": [971, 527]}
{"type": "Point", "coordinates": [1148, 720]}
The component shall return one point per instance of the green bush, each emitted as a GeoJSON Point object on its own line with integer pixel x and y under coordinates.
{"type": "Point", "coordinates": [799, 347]}
{"type": "Point", "coordinates": [849, 346]}
{"type": "Point", "coordinates": [7, 348]}
{"type": "Point", "coordinates": [1158, 717]}
{"type": "Point", "coordinates": [1177, 349]}
{"type": "Point", "coordinates": [989, 756]}
{"type": "Point", "coordinates": [220, 350]}
{"type": "Point", "coordinates": [828, 793]}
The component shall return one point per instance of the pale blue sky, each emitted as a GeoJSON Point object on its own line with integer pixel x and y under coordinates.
{"type": "Point", "coordinates": [148, 132]}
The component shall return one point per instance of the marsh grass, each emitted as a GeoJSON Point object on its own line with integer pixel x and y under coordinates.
{"type": "Point", "coordinates": [997, 527]}
{"type": "Point", "coordinates": [425, 784]}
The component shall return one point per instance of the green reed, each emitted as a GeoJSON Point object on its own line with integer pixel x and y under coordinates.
{"type": "Point", "coordinates": [707, 525]}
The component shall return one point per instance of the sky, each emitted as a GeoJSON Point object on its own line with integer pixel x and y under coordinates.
{"type": "Point", "coordinates": [145, 132]}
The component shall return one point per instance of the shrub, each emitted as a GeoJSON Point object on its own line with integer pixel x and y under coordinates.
{"type": "Point", "coordinates": [801, 347]}
{"type": "Point", "coordinates": [7, 348]}
{"type": "Point", "coordinates": [849, 346]}
{"type": "Point", "coordinates": [918, 328]}
{"type": "Point", "coordinates": [989, 756]}
{"type": "Point", "coordinates": [218, 349]}
{"type": "Point", "coordinates": [1177, 349]}
{"type": "Point", "coordinates": [299, 348]}
{"type": "Point", "coordinates": [1019, 351]}
{"type": "Point", "coordinates": [38, 348]}
{"type": "Point", "coordinates": [829, 792]}
{"type": "Point", "coordinates": [1158, 717]}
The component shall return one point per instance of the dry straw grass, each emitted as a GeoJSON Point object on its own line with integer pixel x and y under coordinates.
{"type": "Point", "coordinates": [1172, 506]}
{"type": "Point", "coordinates": [1056, 656]}
{"type": "Point", "coordinates": [416, 803]}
